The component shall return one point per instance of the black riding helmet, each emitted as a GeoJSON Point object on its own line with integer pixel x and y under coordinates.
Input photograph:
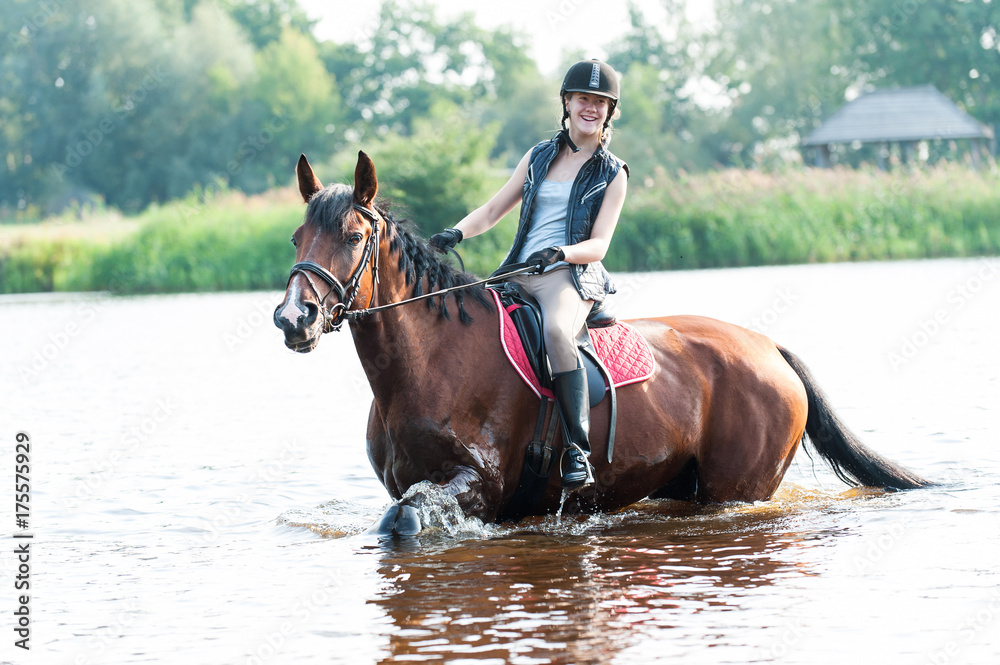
{"type": "Point", "coordinates": [591, 76]}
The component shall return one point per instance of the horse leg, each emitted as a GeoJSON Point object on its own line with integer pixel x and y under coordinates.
{"type": "Point", "coordinates": [429, 504]}
{"type": "Point", "coordinates": [442, 487]}
{"type": "Point", "coordinates": [399, 520]}
{"type": "Point", "coordinates": [683, 486]}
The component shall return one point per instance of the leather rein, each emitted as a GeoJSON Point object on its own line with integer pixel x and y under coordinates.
{"type": "Point", "coordinates": [334, 317]}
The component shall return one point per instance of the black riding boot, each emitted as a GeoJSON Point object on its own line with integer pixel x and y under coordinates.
{"type": "Point", "coordinates": [573, 398]}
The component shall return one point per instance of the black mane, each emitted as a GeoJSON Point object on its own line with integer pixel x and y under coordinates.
{"type": "Point", "coordinates": [417, 260]}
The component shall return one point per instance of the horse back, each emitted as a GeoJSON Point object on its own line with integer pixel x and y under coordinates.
{"type": "Point", "coordinates": [711, 342]}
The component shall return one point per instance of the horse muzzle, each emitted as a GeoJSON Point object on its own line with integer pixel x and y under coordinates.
{"type": "Point", "coordinates": [301, 323]}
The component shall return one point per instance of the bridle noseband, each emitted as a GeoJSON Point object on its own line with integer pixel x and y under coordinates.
{"type": "Point", "coordinates": [334, 318]}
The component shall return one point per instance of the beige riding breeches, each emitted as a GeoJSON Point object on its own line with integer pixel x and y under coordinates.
{"type": "Point", "coordinates": [564, 314]}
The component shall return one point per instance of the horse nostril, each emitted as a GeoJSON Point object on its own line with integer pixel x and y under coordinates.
{"type": "Point", "coordinates": [312, 311]}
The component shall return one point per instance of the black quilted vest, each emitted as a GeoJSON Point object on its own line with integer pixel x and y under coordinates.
{"type": "Point", "coordinates": [586, 196]}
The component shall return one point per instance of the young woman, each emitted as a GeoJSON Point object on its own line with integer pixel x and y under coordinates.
{"type": "Point", "coordinates": [571, 190]}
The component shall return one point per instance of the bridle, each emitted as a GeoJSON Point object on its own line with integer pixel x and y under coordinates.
{"type": "Point", "coordinates": [341, 311]}
{"type": "Point", "coordinates": [334, 317]}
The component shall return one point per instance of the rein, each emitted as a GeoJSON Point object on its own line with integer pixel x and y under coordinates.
{"type": "Point", "coordinates": [359, 313]}
{"type": "Point", "coordinates": [346, 292]}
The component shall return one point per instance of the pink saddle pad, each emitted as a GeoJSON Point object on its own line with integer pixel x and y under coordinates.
{"type": "Point", "coordinates": [620, 347]}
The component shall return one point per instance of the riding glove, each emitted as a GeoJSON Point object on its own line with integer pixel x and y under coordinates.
{"type": "Point", "coordinates": [543, 258]}
{"type": "Point", "coordinates": [446, 240]}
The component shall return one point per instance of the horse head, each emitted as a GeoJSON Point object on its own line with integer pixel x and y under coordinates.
{"type": "Point", "coordinates": [336, 255]}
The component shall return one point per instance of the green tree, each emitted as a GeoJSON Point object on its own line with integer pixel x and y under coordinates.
{"type": "Point", "coordinates": [266, 21]}
{"type": "Point", "coordinates": [523, 103]}
{"type": "Point", "coordinates": [295, 107]}
{"type": "Point", "coordinates": [439, 172]}
{"type": "Point", "coordinates": [409, 60]}
{"type": "Point", "coordinates": [86, 77]}
{"type": "Point", "coordinates": [139, 101]}
{"type": "Point", "coordinates": [786, 66]}
{"type": "Point", "coordinates": [661, 125]}
{"type": "Point", "coordinates": [954, 46]}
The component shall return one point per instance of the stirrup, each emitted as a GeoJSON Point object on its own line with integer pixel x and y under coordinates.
{"type": "Point", "coordinates": [589, 480]}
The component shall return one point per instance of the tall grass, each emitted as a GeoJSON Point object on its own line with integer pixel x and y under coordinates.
{"type": "Point", "coordinates": [217, 247]}
{"type": "Point", "coordinates": [727, 218]}
{"type": "Point", "coordinates": [741, 218]}
{"type": "Point", "coordinates": [225, 242]}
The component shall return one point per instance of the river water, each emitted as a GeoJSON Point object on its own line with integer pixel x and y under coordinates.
{"type": "Point", "coordinates": [200, 494]}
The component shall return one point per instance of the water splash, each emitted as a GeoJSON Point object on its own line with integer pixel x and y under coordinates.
{"type": "Point", "coordinates": [440, 513]}
{"type": "Point", "coordinates": [562, 502]}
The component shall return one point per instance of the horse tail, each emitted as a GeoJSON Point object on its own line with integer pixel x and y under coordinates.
{"type": "Point", "coordinates": [852, 461]}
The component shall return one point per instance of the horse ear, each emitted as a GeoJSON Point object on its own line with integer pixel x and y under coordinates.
{"type": "Point", "coordinates": [309, 184]}
{"type": "Point", "coordinates": [365, 182]}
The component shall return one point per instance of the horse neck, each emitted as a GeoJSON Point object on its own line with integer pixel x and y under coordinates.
{"type": "Point", "coordinates": [405, 349]}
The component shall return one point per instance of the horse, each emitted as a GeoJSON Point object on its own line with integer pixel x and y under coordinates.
{"type": "Point", "coordinates": [718, 421]}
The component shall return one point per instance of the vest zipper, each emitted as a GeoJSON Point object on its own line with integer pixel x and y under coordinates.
{"type": "Point", "coordinates": [593, 190]}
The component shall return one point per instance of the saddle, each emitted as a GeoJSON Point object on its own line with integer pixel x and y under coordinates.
{"type": "Point", "coordinates": [526, 315]}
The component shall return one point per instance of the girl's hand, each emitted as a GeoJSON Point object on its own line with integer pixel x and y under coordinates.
{"type": "Point", "coordinates": [445, 240]}
{"type": "Point", "coordinates": [544, 258]}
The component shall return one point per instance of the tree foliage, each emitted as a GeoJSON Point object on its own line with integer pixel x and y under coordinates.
{"type": "Point", "coordinates": [142, 101]}
{"type": "Point", "coordinates": [953, 45]}
{"type": "Point", "coordinates": [788, 65]}
{"type": "Point", "coordinates": [438, 172]}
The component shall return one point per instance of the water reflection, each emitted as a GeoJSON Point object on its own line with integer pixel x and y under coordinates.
{"type": "Point", "coordinates": [584, 592]}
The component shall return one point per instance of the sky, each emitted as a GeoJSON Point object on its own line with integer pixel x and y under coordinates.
{"type": "Point", "coordinates": [553, 26]}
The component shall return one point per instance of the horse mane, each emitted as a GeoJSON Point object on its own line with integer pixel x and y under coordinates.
{"type": "Point", "coordinates": [417, 260]}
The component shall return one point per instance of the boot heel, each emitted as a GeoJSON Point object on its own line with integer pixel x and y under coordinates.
{"type": "Point", "coordinates": [580, 473]}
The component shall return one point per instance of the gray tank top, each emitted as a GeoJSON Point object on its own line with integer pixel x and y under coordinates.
{"type": "Point", "coordinates": [548, 223]}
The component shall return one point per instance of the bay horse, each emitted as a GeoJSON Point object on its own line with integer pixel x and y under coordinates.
{"type": "Point", "coordinates": [719, 420]}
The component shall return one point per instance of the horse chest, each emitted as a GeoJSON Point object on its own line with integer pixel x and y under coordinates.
{"type": "Point", "coordinates": [414, 450]}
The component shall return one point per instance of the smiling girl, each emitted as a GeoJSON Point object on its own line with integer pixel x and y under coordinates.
{"type": "Point", "coordinates": [571, 190]}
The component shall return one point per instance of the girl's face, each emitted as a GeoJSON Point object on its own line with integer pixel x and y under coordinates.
{"type": "Point", "coordinates": [587, 111]}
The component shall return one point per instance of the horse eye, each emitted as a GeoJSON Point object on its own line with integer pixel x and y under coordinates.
{"type": "Point", "coordinates": [355, 239]}
{"type": "Point", "coordinates": [294, 244]}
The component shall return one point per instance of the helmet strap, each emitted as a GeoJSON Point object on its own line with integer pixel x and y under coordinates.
{"type": "Point", "coordinates": [569, 141]}
{"type": "Point", "coordinates": [565, 132]}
